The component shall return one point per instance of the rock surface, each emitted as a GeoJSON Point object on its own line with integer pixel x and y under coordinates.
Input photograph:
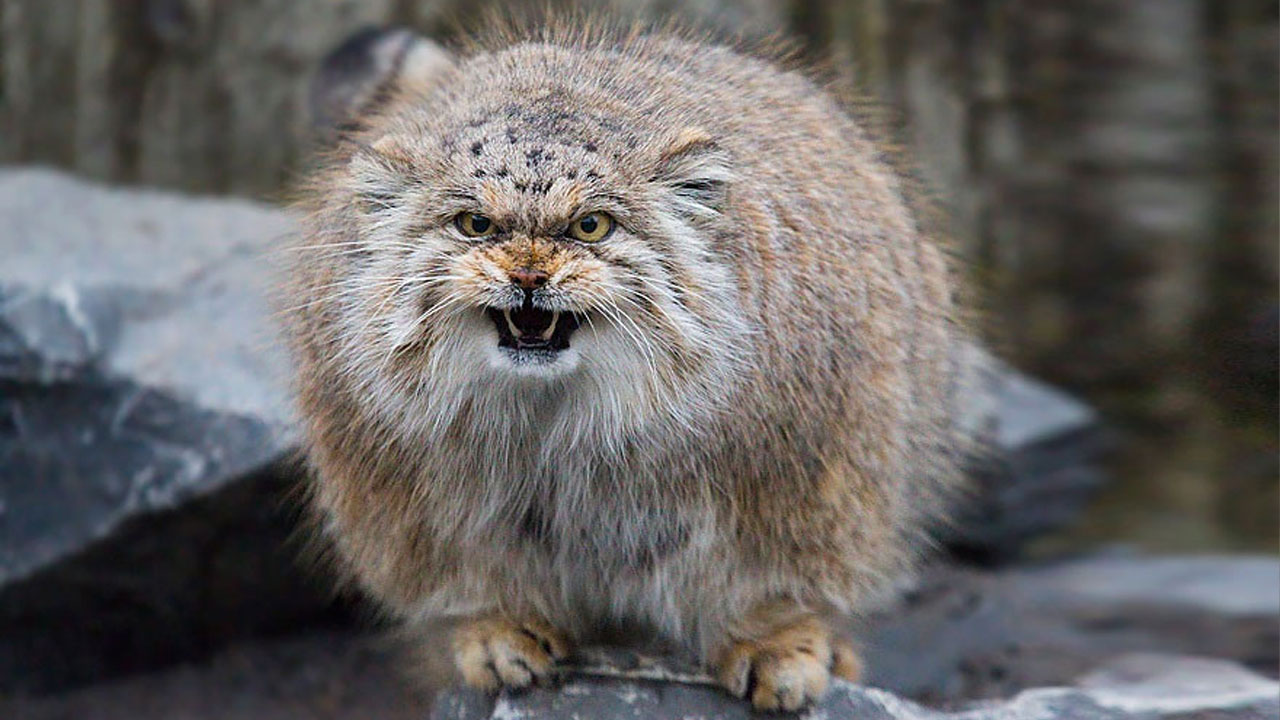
{"type": "Point", "coordinates": [1043, 468]}
{"type": "Point", "coordinates": [1131, 633]}
{"type": "Point", "coordinates": [962, 634]}
{"type": "Point", "coordinates": [136, 359]}
{"type": "Point", "coordinates": [341, 675]}
{"type": "Point", "coordinates": [325, 675]}
{"type": "Point", "coordinates": [142, 415]}
{"type": "Point", "coordinates": [145, 431]}
{"type": "Point", "coordinates": [1131, 687]}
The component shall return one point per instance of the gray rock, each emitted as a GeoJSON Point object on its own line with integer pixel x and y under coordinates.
{"type": "Point", "coordinates": [319, 675]}
{"type": "Point", "coordinates": [137, 363]}
{"type": "Point", "coordinates": [1040, 467]}
{"type": "Point", "coordinates": [1131, 687]}
{"type": "Point", "coordinates": [965, 634]}
{"type": "Point", "coordinates": [142, 398]}
{"type": "Point", "coordinates": [1229, 586]}
{"type": "Point", "coordinates": [169, 291]}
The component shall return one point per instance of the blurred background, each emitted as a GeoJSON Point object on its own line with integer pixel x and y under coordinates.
{"type": "Point", "coordinates": [1108, 169]}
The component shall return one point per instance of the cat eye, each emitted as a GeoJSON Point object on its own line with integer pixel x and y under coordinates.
{"type": "Point", "coordinates": [474, 225]}
{"type": "Point", "coordinates": [592, 227]}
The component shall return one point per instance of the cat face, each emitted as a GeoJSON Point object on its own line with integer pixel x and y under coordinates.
{"type": "Point", "coordinates": [516, 235]}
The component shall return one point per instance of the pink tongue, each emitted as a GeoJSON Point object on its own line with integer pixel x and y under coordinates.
{"type": "Point", "coordinates": [530, 321]}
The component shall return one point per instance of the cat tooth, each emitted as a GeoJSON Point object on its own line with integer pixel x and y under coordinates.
{"type": "Point", "coordinates": [515, 332]}
{"type": "Point", "coordinates": [551, 329]}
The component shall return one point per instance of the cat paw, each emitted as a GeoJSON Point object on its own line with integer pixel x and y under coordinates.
{"type": "Point", "coordinates": [787, 669]}
{"type": "Point", "coordinates": [845, 662]}
{"type": "Point", "coordinates": [496, 652]}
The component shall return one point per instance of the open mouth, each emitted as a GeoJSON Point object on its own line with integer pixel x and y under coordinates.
{"type": "Point", "coordinates": [531, 328]}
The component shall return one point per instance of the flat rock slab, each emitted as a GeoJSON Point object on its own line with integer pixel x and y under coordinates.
{"type": "Point", "coordinates": [145, 430]}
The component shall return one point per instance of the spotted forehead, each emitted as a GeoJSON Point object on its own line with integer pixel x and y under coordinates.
{"type": "Point", "coordinates": [546, 134]}
{"type": "Point", "coordinates": [548, 113]}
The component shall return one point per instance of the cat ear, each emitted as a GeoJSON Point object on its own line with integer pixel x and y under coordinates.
{"type": "Point", "coordinates": [368, 68]}
{"type": "Point", "coordinates": [697, 173]}
{"type": "Point", "coordinates": [380, 174]}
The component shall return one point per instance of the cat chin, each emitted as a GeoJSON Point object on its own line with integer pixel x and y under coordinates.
{"type": "Point", "coordinates": [534, 364]}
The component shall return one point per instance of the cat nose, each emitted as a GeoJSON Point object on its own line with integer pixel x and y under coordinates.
{"type": "Point", "coordinates": [528, 278]}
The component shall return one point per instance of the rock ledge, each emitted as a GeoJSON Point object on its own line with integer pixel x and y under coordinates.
{"type": "Point", "coordinates": [1132, 687]}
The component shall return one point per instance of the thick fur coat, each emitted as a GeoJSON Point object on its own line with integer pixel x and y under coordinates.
{"type": "Point", "coordinates": [750, 426]}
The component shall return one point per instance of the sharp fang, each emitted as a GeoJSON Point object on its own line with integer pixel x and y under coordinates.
{"type": "Point", "coordinates": [510, 325]}
{"type": "Point", "coordinates": [551, 329]}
